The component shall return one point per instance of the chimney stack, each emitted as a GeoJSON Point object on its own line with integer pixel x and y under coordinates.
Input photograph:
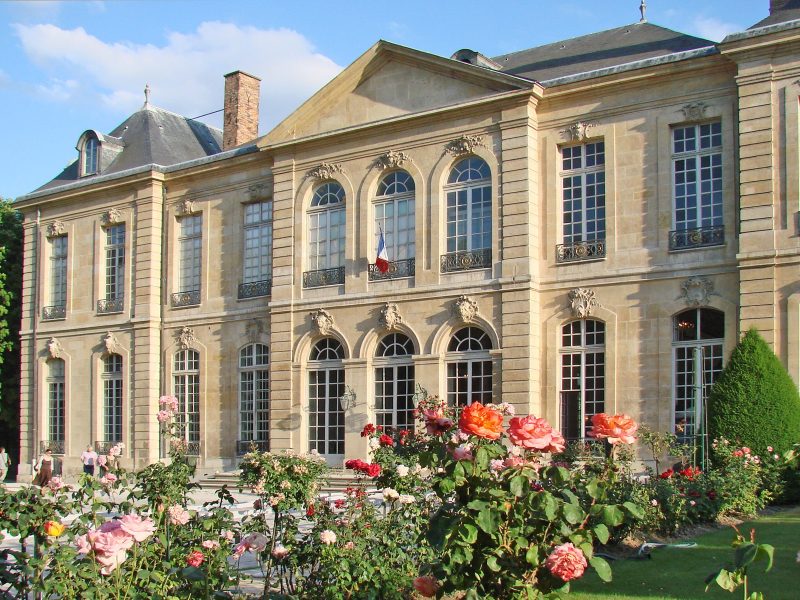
{"type": "Point", "coordinates": [240, 121]}
{"type": "Point", "coordinates": [776, 5]}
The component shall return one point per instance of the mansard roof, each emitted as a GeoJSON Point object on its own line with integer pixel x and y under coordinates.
{"type": "Point", "coordinates": [602, 50]}
{"type": "Point", "coordinates": [151, 135]}
{"type": "Point", "coordinates": [782, 11]}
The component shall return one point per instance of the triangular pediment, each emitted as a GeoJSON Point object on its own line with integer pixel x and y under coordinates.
{"type": "Point", "coordinates": [391, 81]}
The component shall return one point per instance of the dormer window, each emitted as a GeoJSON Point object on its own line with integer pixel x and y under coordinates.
{"type": "Point", "coordinates": [90, 152]}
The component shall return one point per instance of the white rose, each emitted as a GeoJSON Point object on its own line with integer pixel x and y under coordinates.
{"type": "Point", "coordinates": [327, 537]}
{"type": "Point", "coordinates": [402, 470]}
{"type": "Point", "coordinates": [390, 494]}
{"type": "Point", "coordinates": [407, 499]}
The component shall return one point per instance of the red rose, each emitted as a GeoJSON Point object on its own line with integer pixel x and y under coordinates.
{"type": "Point", "coordinates": [667, 474]}
{"type": "Point", "coordinates": [310, 511]}
{"type": "Point", "coordinates": [195, 559]}
{"type": "Point", "coordinates": [386, 440]}
{"type": "Point", "coordinates": [481, 421]}
{"type": "Point", "coordinates": [691, 472]}
{"type": "Point", "coordinates": [426, 585]}
{"type": "Point", "coordinates": [369, 429]}
{"type": "Point", "coordinates": [566, 562]}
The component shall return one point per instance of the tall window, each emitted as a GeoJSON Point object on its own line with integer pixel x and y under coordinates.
{"type": "Point", "coordinates": [186, 387]}
{"type": "Point", "coordinates": [56, 410]}
{"type": "Point", "coordinates": [326, 222]}
{"type": "Point", "coordinates": [696, 363]}
{"type": "Point", "coordinates": [583, 198]}
{"type": "Point", "coordinates": [90, 148]}
{"type": "Point", "coordinates": [394, 215]}
{"type": "Point", "coordinates": [257, 249]}
{"type": "Point", "coordinates": [112, 398]}
{"type": "Point", "coordinates": [58, 271]}
{"type": "Point", "coordinates": [190, 242]}
{"type": "Point", "coordinates": [325, 390]}
{"type": "Point", "coordinates": [254, 393]}
{"type": "Point", "coordinates": [115, 262]}
{"type": "Point", "coordinates": [469, 216]}
{"type": "Point", "coordinates": [394, 382]}
{"type": "Point", "coordinates": [583, 372]}
{"type": "Point", "coordinates": [697, 185]}
{"type": "Point", "coordinates": [469, 367]}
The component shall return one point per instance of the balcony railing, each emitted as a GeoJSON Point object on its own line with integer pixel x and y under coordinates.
{"type": "Point", "coordinates": [397, 269]}
{"type": "Point", "coordinates": [54, 313]}
{"type": "Point", "coordinates": [684, 239]}
{"type": "Point", "coordinates": [463, 261]}
{"type": "Point", "coordinates": [576, 251]}
{"type": "Point", "coordinates": [245, 446]}
{"type": "Point", "coordinates": [323, 277]}
{"type": "Point", "coordinates": [254, 289]}
{"type": "Point", "coordinates": [57, 446]}
{"type": "Point", "coordinates": [102, 447]}
{"type": "Point", "coordinates": [110, 305]}
{"type": "Point", "coordinates": [179, 444]}
{"type": "Point", "coordinates": [188, 298]}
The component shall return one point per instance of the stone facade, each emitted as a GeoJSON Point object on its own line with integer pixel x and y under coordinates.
{"type": "Point", "coordinates": [398, 110]}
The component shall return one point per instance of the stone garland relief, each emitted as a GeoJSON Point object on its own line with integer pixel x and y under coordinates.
{"type": "Point", "coordinates": [579, 131]}
{"type": "Point", "coordinates": [111, 217]}
{"type": "Point", "coordinates": [322, 321]}
{"type": "Point", "coordinates": [466, 144]}
{"type": "Point", "coordinates": [185, 207]}
{"type": "Point", "coordinates": [54, 348]}
{"type": "Point", "coordinates": [111, 343]}
{"type": "Point", "coordinates": [391, 160]}
{"type": "Point", "coordinates": [694, 111]}
{"type": "Point", "coordinates": [390, 316]}
{"type": "Point", "coordinates": [325, 171]}
{"type": "Point", "coordinates": [696, 291]}
{"type": "Point", "coordinates": [582, 302]}
{"type": "Point", "coordinates": [254, 330]}
{"type": "Point", "coordinates": [56, 229]}
{"type": "Point", "coordinates": [259, 191]}
{"type": "Point", "coordinates": [465, 309]}
{"type": "Point", "coordinates": [186, 338]}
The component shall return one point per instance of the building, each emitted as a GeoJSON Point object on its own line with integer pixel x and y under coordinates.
{"type": "Point", "coordinates": [577, 227]}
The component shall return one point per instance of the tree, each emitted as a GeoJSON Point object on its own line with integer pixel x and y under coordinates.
{"type": "Point", "coordinates": [754, 400]}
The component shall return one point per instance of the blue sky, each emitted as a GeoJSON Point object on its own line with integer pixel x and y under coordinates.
{"type": "Point", "coordinates": [68, 66]}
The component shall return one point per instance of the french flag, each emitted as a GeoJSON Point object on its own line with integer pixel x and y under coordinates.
{"type": "Point", "coordinates": [382, 261]}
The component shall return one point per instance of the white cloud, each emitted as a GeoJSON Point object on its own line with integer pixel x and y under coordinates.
{"type": "Point", "coordinates": [714, 29]}
{"type": "Point", "coordinates": [36, 9]}
{"type": "Point", "coordinates": [185, 73]}
{"type": "Point", "coordinates": [58, 89]}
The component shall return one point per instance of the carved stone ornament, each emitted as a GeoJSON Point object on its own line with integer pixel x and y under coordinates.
{"type": "Point", "coordinates": [465, 309]}
{"type": "Point", "coordinates": [111, 343]}
{"type": "Point", "coordinates": [325, 171]}
{"type": "Point", "coordinates": [466, 144]}
{"type": "Point", "coordinates": [578, 132]}
{"type": "Point", "coordinates": [111, 217]}
{"type": "Point", "coordinates": [259, 191]}
{"type": "Point", "coordinates": [694, 111]}
{"type": "Point", "coordinates": [56, 229]}
{"type": "Point", "coordinates": [322, 320]}
{"type": "Point", "coordinates": [696, 291]}
{"type": "Point", "coordinates": [186, 338]}
{"type": "Point", "coordinates": [582, 302]}
{"type": "Point", "coordinates": [390, 316]}
{"type": "Point", "coordinates": [55, 349]}
{"type": "Point", "coordinates": [391, 160]}
{"type": "Point", "coordinates": [255, 329]}
{"type": "Point", "coordinates": [186, 207]}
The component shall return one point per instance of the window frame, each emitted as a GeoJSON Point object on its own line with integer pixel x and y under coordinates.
{"type": "Point", "coordinates": [186, 388]}
{"type": "Point", "coordinates": [259, 370]}
{"type": "Point", "coordinates": [322, 207]}
{"type": "Point", "coordinates": [583, 172]}
{"type": "Point", "coordinates": [388, 361]}
{"type": "Point", "coordinates": [462, 364]}
{"type": "Point", "coordinates": [392, 225]}
{"type": "Point", "coordinates": [112, 378]}
{"type": "Point", "coordinates": [470, 187]}
{"type": "Point", "coordinates": [257, 242]}
{"type": "Point", "coordinates": [90, 156]}
{"type": "Point", "coordinates": [583, 349]}
{"type": "Point", "coordinates": [56, 381]}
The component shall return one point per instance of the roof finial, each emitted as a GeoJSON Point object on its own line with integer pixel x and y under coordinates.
{"type": "Point", "coordinates": [643, 10]}
{"type": "Point", "coordinates": [147, 94]}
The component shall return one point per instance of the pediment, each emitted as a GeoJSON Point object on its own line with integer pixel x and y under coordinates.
{"type": "Point", "coordinates": [391, 81]}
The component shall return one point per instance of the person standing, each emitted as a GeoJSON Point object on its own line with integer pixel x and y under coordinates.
{"type": "Point", "coordinates": [89, 460]}
{"type": "Point", "coordinates": [5, 462]}
{"type": "Point", "coordinates": [44, 468]}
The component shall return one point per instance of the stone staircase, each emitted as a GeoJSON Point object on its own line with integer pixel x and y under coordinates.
{"type": "Point", "coordinates": [337, 481]}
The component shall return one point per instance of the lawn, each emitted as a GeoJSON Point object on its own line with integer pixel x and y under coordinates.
{"type": "Point", "coordinates": [680, 573]}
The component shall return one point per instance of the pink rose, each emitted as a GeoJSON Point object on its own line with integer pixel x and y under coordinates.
{"type": "Point", "coordinates": [566, 562]}
{"type": "Point", "coordinates": [327, 537]}
{"type": "Point", "coordinates": [83, 544]}
{"type": "Point", "coordinates": [102, 460]}
{"type": "Point", "coordinates": [426, 585]}
{"type": "Point", "coordinates": [110, 560]}
{"type": "Point", "coordinates": [210, 544]}
{"type": "Point", "coordinates": [163, 416]}
{"type": "Point", "coordinates": [256, 542]}
{"type": "Point", "coordinates": [108, 479]}
{"type": "Point", "coordinates": [463, 452]}
{"type": "Point", "coordinates": [137, 527]}
{"type": "Point", "coordinates": [435, 421]}
{"type": "Point", "coordinates": [534, 433]}
{"type": "Point", "coordinates": [55, 483]}
{"type": "Point", "coordinates": [178, 515]}
{"type": "Point", "coordinates": [227, 534]}
{"type": "Point", "coordinates": [169, 403]}
{"type": "Point", "coordinates": [280, 551]}
{"type": "Point", "coordinates": [614, 428]}
{"type": "Point", "coordinates": [195, 558]}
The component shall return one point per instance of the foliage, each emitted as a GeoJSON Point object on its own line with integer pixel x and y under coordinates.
{"type": "Point", "coordinates": [746, 553]}
{"type": "Point", "coordinates": [754, 401]}
{"type": "Point", "coordinates": [10, 318]}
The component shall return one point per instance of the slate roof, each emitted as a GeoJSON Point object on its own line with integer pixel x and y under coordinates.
{"type": "Point", "coordinates": [151, 135]}
{"type": "Point", "coordinates": [788, 12]}
{"type": "Point", "coordinates": [601, 50]}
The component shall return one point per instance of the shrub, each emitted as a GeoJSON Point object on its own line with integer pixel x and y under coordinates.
{"type": "Point", "coordinates": [754, 401]}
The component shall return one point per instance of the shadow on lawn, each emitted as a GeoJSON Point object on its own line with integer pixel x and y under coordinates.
{"type": "Point", "coordinates": [673, 573]}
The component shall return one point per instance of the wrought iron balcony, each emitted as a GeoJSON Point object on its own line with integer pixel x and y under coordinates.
{"type": "Point", "coordinates": [188, 298]}
{"type": "Point", "coordinates": [110, 305]}
{"type": "Point", "coordinates": [684, 239]}
{"type": "Point", "coordinates": [397, 269]}
{"type": "Point", "coordinates": [463, 261]}
{"type": "Point", "coordinates": [104, 446]}
{"type": "Point", "coordinates": [254, 289]}
{"type": "Point", "coordinates": [57, 446]}
{"type": "Point", "coordinates": [54, 313]}
{"type": "Point", "coordinates": [245, 446]}
{"type": "Point", "coordinates": [590, 250]}
{"type": "Point", "coordinates": [323, 277]}
{"type": "Point", "coordinates": [188, 448]}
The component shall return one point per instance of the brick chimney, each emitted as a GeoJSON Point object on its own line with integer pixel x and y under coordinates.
{"type": "Point", "coordinates": [240, 121]}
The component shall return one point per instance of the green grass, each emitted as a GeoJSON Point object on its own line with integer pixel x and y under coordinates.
{"type": "Point", "coordinates": [680, 573]}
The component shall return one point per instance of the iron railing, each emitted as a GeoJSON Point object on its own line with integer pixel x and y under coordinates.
{"type": "Point", "coordinates": [323, 277]}
{"type": "Point", "coordinates": [245, 446]}
{"type": "Point", "coordinates": [576, 251]}
{"type": "Point", "coordinates": [397, 269]}
{"type": "Point", "coordinates": [254, 289]}
{"type": "Point", "coordinates": [54, 313]}
{"type": "Point", "coordinates": [104, 446]}
{"type": "Point", "coordinates": [57, 446]}
{"type": "Point", "coordinates": [684, 239]}
{"type": "Point", "coordinates": [463, 261]}
{"type": "Point", "coordinates": [187, 298]}
{"type": "Point", "coordinates": [110, 305]}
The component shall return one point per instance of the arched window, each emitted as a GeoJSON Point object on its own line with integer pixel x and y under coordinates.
{"type": "Point", "coordinates": [326, 231]}
{"type": "Point", "coordinates": [469, 367]}
{"type": "Point", "coordinates": [583, 372]}
{"type": "Point", "coordinates": [253, 398]}
{"type": "Point", "coordinates": [56, 404]}
{"type": "Point", "coordinates": [90, 152]}
{"type": "Point", "coordinates": [394, 215]}
{"type": "Point", "coordinates": [112, 398]}
{"type": "Point", "coordinates": [394, 382]}
{"type": "Point", "coordinates": [186, 387]}
{"type": "Point", "coordinates": [325, 390]}
{"type": "Point", "coordinates": [697, 339]}
{"type": "Point", "coordinates": [469, 215]}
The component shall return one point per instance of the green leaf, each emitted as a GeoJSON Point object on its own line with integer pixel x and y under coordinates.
{"type": "Point", "coordinates": [488, 520]}
{"type": "Point", "coordinates": [532, 556]}
{"type": "Point", "coordinates": [491, 562]}
{"type": "Point", "coordinates": [602, 568]}
{"type": "Point", "coordinates": [634, 510]}
{"type": "Point", "coordinates": [193, 574]}
{"type": "Point", "coordinates": [612, 516]}
{"type": "Point", "coordinates": [482, 458]}
{"type": "Point", "coordinates": [765, 552]}
{"type": "Point", "coordinates": [601, 532]}
{"type": "Point", "coordinates": [593, 489]}
{"type": "Point", "coordinates": [744, 555]}
{"type": "Point", "coordinates": [459, 472]}
{"type": "Point", "coordinates": [518, 485]}
{"type": "Point", "coordinates": [572, 514]}
{"type": "Point", "coordinates": [469, 533]}
{"type": "Point", "coordinates": [725, 580]}
{"type": "Point", "coordinates": [472, 595]}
